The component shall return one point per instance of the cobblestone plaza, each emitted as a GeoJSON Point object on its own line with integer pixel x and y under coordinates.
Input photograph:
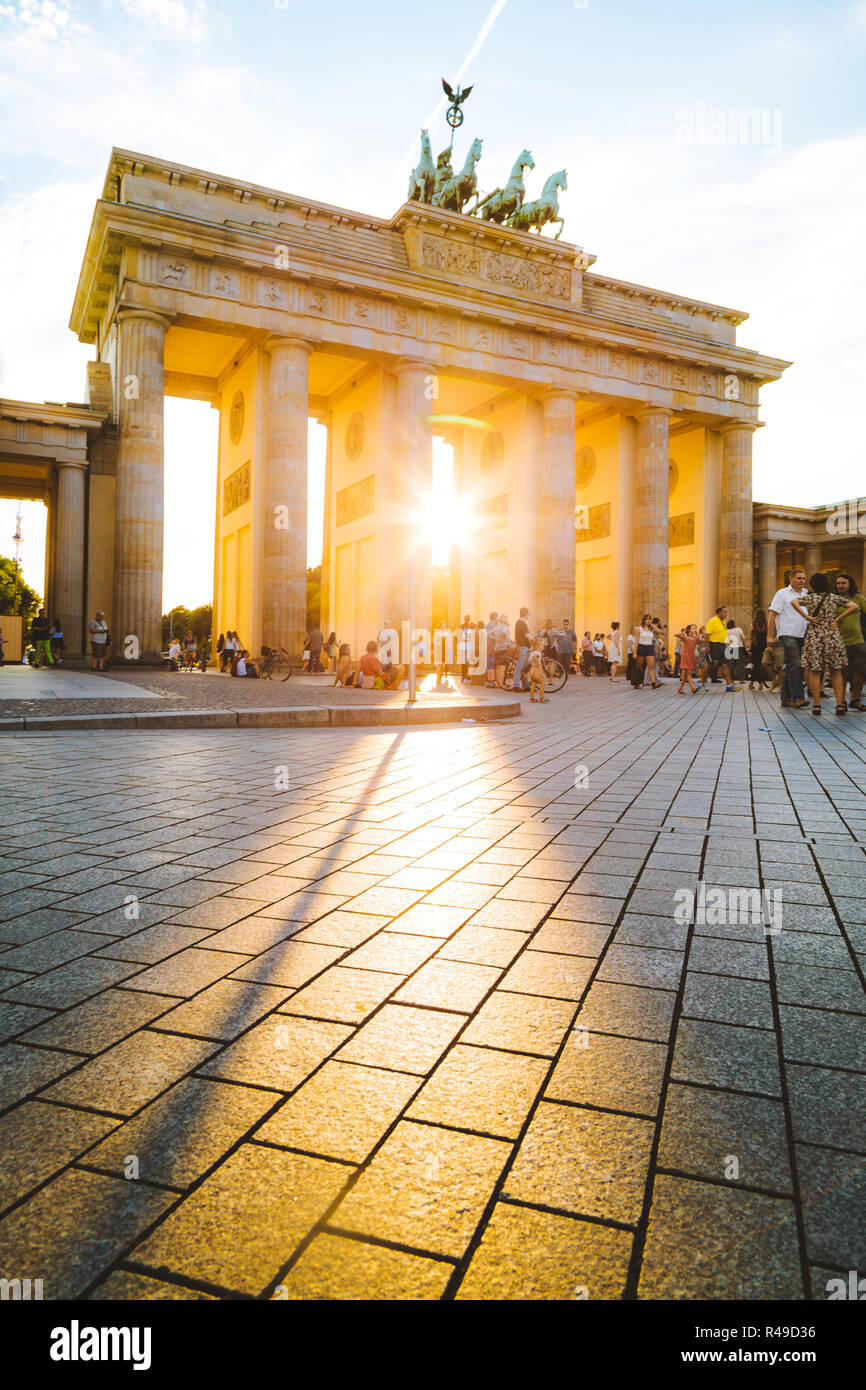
{"type": "Point", "coordinates": [412, 1013]}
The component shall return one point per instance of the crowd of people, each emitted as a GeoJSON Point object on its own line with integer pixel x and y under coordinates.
{"type": "Point", "coordinates": [813, 634]}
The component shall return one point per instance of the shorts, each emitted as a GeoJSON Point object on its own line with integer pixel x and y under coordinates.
{"type": "Point", "coordinates": [718, 653]}
{"type": "Point", "coordinates": [98, 648]}
{"type": "Point", "coordinates": [645, 649]}
{"type": "Point", "coordinates": [856, 654]}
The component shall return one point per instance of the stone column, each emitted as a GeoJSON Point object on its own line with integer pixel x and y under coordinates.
{"type": "Point", "coordinates": [768, 568]}
{"type": "Point", "coordinates": [736, 552]}
{"type": "Point", "coordinates": [411, 488]}
{"type": "Point", "coordinates": [813, 560]}
{"type": "Point", "coordinates": [327, 527]}
{"type": "Point", "coordinates": [284, 488]}
{"type": "Point", "coordinates": [69, 554]}
{"type": "Point", "coordinates": [651, 534]}
{"type": "Point", "coordinates": [556, 501]}
{"type": "Point", "coordinates": [138, 539]}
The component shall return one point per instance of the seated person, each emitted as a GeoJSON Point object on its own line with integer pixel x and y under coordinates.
{"type": "Point", "coordinates": [344, 665]}
{"type": "Point", "coordinates": [369, 667]}
{"type": "Point", "coordinates": [243, 664]}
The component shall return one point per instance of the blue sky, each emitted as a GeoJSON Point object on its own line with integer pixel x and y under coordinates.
{"type": "Point", "coordinates": [327, 100]}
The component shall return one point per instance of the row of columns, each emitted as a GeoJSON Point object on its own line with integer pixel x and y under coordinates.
{"type": "Point", "coordinates": [139, 507]}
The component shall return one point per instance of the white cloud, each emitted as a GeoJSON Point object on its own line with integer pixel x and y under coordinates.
{"type": "Point", "coordinates": [184, 21]}
{"type": "Point", "coordinates": [42, 17]}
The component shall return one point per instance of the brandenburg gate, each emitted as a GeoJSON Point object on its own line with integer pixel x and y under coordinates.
{"type": "Point", "coordinates": [601, 430]}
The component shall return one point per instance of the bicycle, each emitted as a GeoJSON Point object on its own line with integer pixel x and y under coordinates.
{"type": "Point", "coordinates": [275, 663]}
{"type": "Point", "coordinates": [554, 672]}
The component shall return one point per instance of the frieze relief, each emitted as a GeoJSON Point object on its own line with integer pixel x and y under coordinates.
{"type": "Point", "coordinates": [457, 258]}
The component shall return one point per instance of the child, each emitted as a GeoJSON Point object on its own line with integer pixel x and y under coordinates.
{"type": "Point", "coordinates": [688, 639]}
{"type": "Point", "coordinates": [343, 665]}
{"type": "Point", "coordinates": [535, 673]}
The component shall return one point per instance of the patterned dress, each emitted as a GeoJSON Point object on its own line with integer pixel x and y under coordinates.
{"type": "Point", "coordinates": [823, 647]}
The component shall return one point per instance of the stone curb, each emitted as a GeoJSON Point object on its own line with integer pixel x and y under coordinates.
{"type": "Point", "coordinates": [332, 716]}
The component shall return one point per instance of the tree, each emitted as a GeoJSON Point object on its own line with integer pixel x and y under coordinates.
{"type": "Point", "coordinates": [314, 598]}
{"type": "Point", "coordinates": [28, 599]}
{"type": "Point", "coordinates": [179, 619]}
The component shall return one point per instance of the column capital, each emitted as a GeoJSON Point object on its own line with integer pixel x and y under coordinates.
{"type": "Point", "coordinates": [81, 464]}
{"type": "Point", "coordinates": [730, 426]}
{"type": "Point", "coordinates": [275, 342]}
{"type": "Point", "coordinates": [555, 393]}
{"type": "Point", "coordinates": [128, 312]}
{"type": "Point", "coordinates": [652, 412]}
{"type": "Point", "coordinates": [412, 364]}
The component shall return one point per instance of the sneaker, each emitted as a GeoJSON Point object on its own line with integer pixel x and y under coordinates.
{"type": "Point", "coordinates": [735, 688]}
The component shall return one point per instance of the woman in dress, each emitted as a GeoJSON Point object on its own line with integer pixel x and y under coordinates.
{"type": "Point", "coordinates": [614, 649]}
{"type": "Point", "coordinates": [823, 647]}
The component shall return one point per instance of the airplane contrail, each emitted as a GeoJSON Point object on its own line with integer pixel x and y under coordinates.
{"type": "Point", "coordinates": [498, 7]}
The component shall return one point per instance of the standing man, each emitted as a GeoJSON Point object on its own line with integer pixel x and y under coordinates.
{"type": "Point", "coordinates": [99, 641]}
{"type": "Point", "coordinates": [40, 636]}
{"type": "Point", "coordinates": [717, 636]}
{"type": "Point", "coordinates": [522, 643]}
{"type": "Point", "coordinates": [785, 625]}
{"type": "Point", "coordinates": [314, 645]}
{"type": "Point", "coordinates": [851, 632]}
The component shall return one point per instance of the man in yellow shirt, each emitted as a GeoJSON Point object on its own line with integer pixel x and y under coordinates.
{"type": "Point", "coordinates": [717, 636]}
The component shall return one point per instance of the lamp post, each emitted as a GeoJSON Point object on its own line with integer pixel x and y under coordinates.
{"type": "Point", "coordinates": [413, 697]}
{"type": "Point", "coordinates": [17, 538]}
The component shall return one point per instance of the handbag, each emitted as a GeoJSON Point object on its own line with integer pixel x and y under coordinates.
{"type": "Point", "coordinates": [366, 682]}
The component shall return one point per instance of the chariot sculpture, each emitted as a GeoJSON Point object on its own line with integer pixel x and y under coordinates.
{"type": "Point", "coordinates": [437, 184]}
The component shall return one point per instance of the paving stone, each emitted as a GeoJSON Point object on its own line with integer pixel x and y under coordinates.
{"type": "Point", "coordinates": [583, 1161]}
{"type": "Point", "coordinates": [513, 916]}
{"type": "Point", "coordinates": [703, 1131]}
{"type": "Point", "coordinates": [252, 936]}
{"type": "Point", "coordinates": [834, 1205]}
{"type": "Point", "coordinates": [153, 944]}
{"type": "Point", "coordinates": [213, 914]}
{"type": "Point", "coordinates": [529, 1255]}
{"type": "Point", "coordinates": [521, 1023]}
{"type": "Point", "coordinates": [222, 1011]}
{"type": "Point", "coordinates": [828, 1107]}
{"type": "Point", "coordinates": [130, 1074]}
{"type": "Point", "coordinates": [288, 965]}
{"type": "Point", "coordinates": [278, 1053]}
{"type": "Point", "coordinates": [727, 999]}
{"type": "Point", "coordinates": [642, 965]}
{"type": "Point", "coordinates": [638, 930]}
{"type": "Point", "coordinates": [719, 1054]}
{"type": "Point", "coordinates": [345, 929]}
{"type": "Point", "coordinates": [341, 1112]}
{"type": "Point", "coordinates": [333, 1267]}
{"type": "Point", "coordinates": [184, 1133]}
{"type": "Point", "coordinates": [116, 923]}
{"type": "Point", "coordinates": [393, 952]}
{"type": "Point", "coordinates": [823, 988]}
{"type": "Point", "coordinates": [483, 945]}
{"type": "Point", "coordinates": [542, 972]}
{"type": "Point", "coordinates": [17, 1018]}
{"type": "Point", "coordinates": [628, 1010]}
{"type": "Point", "coordinates": [570, 938]}
{"type": "Point", "coordinates": [189, 971]}
{"type": "Point", "coordinates": [101, 1021]}
{"type": "Point", "coordinates": [344, 995]}
{"type": "Point", "coordinates": [37, 1140]}
{"type": "Point", "coordinates": [479, 1088]}
{"type": "Point", "coordinates": [124, 1286]}
{"type": "Point", "coordinates": [446, 984]}
{"type": "Point", "coordinates": [403, 1039]}
{"type": "Point", "coordinates": [73, 1229]}
{"type": "Point", "coordinates": [41, 922]}
{"type": "Point", "coordinates": [241, 1226]}
{"type": "Point", "coordinates": [24, 1070]}
{"type": "Point", "coordinates": [445, 1180]}
{"type": "Point", "coordinates": [69, 984]}
{"type": "Point", "coordinates": [709, 1242]}
{"type": "Point", "coordinates": [49, 951]}
{"type": "Point", "coordinates": [609, 1072]}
